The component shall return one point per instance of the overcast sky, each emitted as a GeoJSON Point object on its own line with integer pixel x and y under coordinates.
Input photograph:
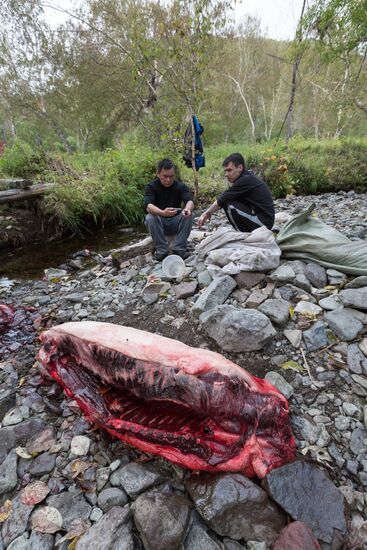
{"type": "Point", "coordinates": [278, 17]}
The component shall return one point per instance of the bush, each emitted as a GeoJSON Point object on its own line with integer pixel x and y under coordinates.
{"type": "Point", "coordinates": [22, 161]}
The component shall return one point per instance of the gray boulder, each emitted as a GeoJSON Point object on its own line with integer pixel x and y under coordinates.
{"type": "Point", "coordinates": [277, 310]}
{"type": "Point", "coordinates": [162, 520]}
{"type": "Point", "coordinates": [112, 531]}
{"type": "Point", "coordinates": [215, 294]}
{"type": "Point", "coordinates": [354, 297]}
{"type": "Point", "coordinates": [343, 324]}
{"type": "Point", "coordinates": [234, 506]}
{"type": "Point", "coordinates": [237, 330]}
{"type": "Point", "coordinates": [8, 473]}
{"type": "Point", "coordinates": [136, 478]}
{"type": "Point", "coordinates": [307, 494]}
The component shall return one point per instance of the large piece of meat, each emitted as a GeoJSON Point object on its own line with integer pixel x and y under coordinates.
{"type": "Point", "coordinates": [192, 406]}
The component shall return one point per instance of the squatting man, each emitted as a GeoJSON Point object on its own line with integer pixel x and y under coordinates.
{"type": "Point", "coordinates": [247, 202]}
{"type": "Point", "coordinates": [163, 199]}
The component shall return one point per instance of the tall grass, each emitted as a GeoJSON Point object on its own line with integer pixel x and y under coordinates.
{"type": "Point", "coordinates": [98, 188]}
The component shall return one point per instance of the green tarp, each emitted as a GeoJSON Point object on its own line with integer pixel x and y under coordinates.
{"type": "Point", "coordinates": [307, 238]}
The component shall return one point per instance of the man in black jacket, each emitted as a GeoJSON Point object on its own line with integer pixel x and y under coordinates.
{"type": "Point", "coordinates": [163, 199]}
{"type": "Point", "coordinates": [247, 203]}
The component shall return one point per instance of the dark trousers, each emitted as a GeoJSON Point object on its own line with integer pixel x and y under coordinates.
{"type": "Point", "coordinates": [242, 217]}
{"type": "Point", "coordinates": [159, 227]}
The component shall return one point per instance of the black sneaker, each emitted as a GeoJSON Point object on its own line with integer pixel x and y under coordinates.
{"type": "Point", "coordinates": [159, 257]}
{"type": "Point", "coordinates": [182, 253]}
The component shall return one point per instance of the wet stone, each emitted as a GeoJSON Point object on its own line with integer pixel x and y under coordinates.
{"type": "Point", "coordinates": [308, 495]}
{"type": "Point", "coordinates": [7, 401]}
{"type": "Point", "coordinates": [8, 473]}
{"type": "Point", "coordinates": [112, 531]}
{"type": "Point", "coordinates": [20, 543]}
{"type": "Point", "coordinates": [162, 520]}
{"type": "Point", "coordinates": [113, 496]}
{"type": "Point", "coordinates": [41, 541]}
{"type": "Point", "coordinates": [70, 505]}
{"type": "Point", "coordinates": [198, 538]}
{"type": "Point", "coordinates": [11, 436]}
{"type": "Point", "coordinates": [233, 506]}
{"type": "Point", "coordinates": [136, 478]}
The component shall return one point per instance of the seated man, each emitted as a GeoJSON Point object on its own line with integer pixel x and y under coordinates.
{"type": "Point", "coordinates": [247, 203]}
{"type": "Point", "coordinates": [163, 199]}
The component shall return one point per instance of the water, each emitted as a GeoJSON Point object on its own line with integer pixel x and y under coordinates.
{"type": "Point", "coordinates": [29, 262]}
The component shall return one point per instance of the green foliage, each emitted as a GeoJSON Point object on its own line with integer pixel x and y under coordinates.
{"type": "Point", "coordinates": [22, 161]}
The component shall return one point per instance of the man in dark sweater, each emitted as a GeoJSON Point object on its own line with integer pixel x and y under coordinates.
{"type": "Point", "coordinates": [247, 203]}
{"type": "Point", "coordinates": [163, 199]}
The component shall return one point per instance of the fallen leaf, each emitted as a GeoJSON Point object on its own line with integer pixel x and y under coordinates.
{"type": "Point", "coordinates": [292, 365]}
{"type": "Point", "coordinates": [77, 529]}
{"type": "Point", "coordinates": [72, 545]}
{"type": "Point", "coordinates": [80, 466]}
{"type": "Point", "coordinates": [22, 452]}
{"type": "Point", "coordinates": [5, 510]}
{"type": "Point", "coordinates": [46, 520]}
{"type": "Point", "coordinates": [21, 381]}
{"type": "Point", "coordinates": [34, 493]}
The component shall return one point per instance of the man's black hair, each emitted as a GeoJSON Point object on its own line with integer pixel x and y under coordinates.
{"type": "Point", "coordinates": [236, 159]}
{"type": "Point", "coordinates": [165, 164]}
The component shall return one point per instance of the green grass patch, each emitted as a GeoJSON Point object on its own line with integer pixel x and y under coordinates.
{"type": "Point", "coordinates": [101, 188]}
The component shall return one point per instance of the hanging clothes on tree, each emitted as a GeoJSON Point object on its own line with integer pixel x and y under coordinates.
{"type": "Point", "coordinates": [188, 141]}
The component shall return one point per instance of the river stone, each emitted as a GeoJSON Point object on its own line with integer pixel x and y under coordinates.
{"type": "Point", "coordinates": [7, 401]}
{"type": "Point", "coordinates": [204, 278]}
{"type": "Point", "coordinates": [307, 308]}
{"type": "Point", "coordinates": [215, 294]}
{"type": "Point", "coordinates": [248, 279]}
{"type": "Point", "coordinates": [358, 441]}
{"type": "Point", "coordinates": [17, 522]}
{"type": "Point", "coordinates": [357, 362]}
{"type": "Point", "coordinates": [110, 497]}
{"type": "Point", "coordinates": [42, 464]}
{"type": "Point", "coordinates": [79, 445]}
{"type": "Point", "coordinates": [162, 520]}
{"type": "Point", "coordinates": [185, 290]}
{"type": "Point", "coordinates": [335, 277]}
{"type": "Point", "coordinates": [283, 274]}
{"type": "Point", "coordinates": [316, 336]}
{"type": "Point", "coordinates": [70, 505]}
{"type": "Point", "coordinates": [294, 336]}
{"type": "Point", "coordinates": [113, 532]}
{"type": "Point", "coordinates": [280, 383]}
{"type": "Point", "coordinates": [354, 297]}
{"type": "Point", "coordinates": [277, 310]}
{"type": "Point", "coordinates": [8, 473]}
{"type": "Point", "coordinates": [12, 417]}
{"type": "Point", "coordinates": [234, 506]}
{"type": "Point", "coordinates": [136, 478]}
{"type": "Point", "coordinates": [302, 282]}
{"type": "Point", "coordinates": [296, 536]}
{"type": "Point", "coordinates": [20, 543]}
{"type": "Point", "coordinates": [11, 436]}
{"type": "Point", "coordinates": [237, 330]}
{"type": "Point", "coordinates": [358, 282]}
{"type": "Point", "coordinates": [363, 346]}
{"type": "Point", "coordinates": [199, 539]}
{"type": "Point", "coordinates": [331, 303]}
{"type": "Point", "coordinates": [305, 429]}
{"type": "Point", "coordinates": [316, 274]}
{"type": "Point", "coordinates": [41, 541]}
{"type": "Point", "coordinates": [343, 324]}
{"type": "Point", "coordinates": [308, 495]}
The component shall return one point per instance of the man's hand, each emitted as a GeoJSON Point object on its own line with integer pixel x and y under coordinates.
{"type": "Point", "coordinates": [169, 212]}
{"type": "Point", "coordinates": [205, 217]}
{"type": "Point", "coordinates": [186, 212]}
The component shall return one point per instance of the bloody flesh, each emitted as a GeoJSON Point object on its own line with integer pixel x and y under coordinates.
{"type": "Point", "coordinates": [192, 406]}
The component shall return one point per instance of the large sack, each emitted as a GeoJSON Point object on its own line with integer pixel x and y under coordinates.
{"type": "Point", "coordinates": [228, 252]}
{"type": "Point", "coordinates": [307, 238]}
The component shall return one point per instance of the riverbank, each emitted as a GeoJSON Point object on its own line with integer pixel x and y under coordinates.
{"type": "Point", "coordinates": [318, 360]}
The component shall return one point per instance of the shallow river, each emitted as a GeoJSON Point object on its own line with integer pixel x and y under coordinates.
{"type": "Point", "coordinates": [29, 262]}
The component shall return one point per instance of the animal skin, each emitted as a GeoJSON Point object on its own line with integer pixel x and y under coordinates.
{"type": "Point", "coordinates": [192, 406]}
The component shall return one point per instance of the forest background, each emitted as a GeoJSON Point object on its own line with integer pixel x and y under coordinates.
{"type": "Point", "coordinates": [93, 103]}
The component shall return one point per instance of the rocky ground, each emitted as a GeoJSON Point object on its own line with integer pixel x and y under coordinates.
{"type": "Point", "coordinates": [64, 483]}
